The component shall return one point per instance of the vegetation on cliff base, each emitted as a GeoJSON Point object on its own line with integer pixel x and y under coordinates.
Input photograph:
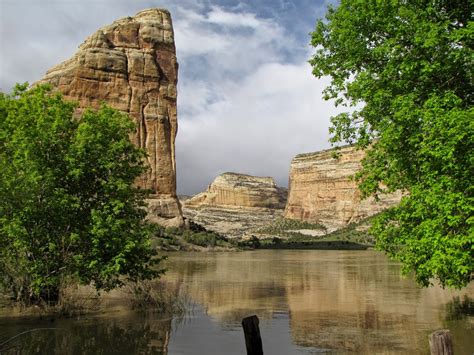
{"type": "Point", "coordinates": [187, 238]}
{"type": "Point", "coordinates": [406, 69]}
{"type": "Point", "coordinates": [68, 207]}
{"type": "Point", "coordinates": [292, 234]}
{"type": "Point", "coordinates": [283, 226]}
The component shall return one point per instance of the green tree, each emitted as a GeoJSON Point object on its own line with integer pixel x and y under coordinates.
{"type": "Point", "coordinates": [405, 70]}
{"type": "Point", "coordinates": [68, 206]}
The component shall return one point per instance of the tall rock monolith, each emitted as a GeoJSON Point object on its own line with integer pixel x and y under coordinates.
{"type": "Point", "coordinates": [131, 65]}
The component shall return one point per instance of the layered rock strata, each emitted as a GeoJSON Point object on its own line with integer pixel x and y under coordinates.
{"type": "Point", "coordinates": [322, 189]}
{"type": "Point", "coordinates": [235, 204]}
{"type": "Point", "coordinates": [241, 191]}
{"type": "Point", "coordinates": [131, 65]}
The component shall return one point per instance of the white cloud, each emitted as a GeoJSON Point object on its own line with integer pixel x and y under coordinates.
{"type": "Point", "coordinates": [247, 101]}
{"type": "Point", "coordinates": [257, 129]}
{"type": "Point", "coordinates": [230, 43]}
{"type": "Point", "coordinates": [222, 17]}
{"type": "Point", "coordinates": [248, 109]}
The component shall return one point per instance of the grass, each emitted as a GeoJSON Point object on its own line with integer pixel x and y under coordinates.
{"type": "Point", "coordinates": [156, 296]}
{"type": "Point", "coordinates": [353, 237]}
{"type": "Point", "coordinates": [314, 244]}
{"type": "Point", "coordinates": [284, 225]}
{"type": "Point", "coordinates": [146, 295]}
{"type": "Point", "coordinates": [72, 305]}
{"type": "Point", "coordinates": [354, 232]}
{"type": "Point", "coordinates": [281, 234]}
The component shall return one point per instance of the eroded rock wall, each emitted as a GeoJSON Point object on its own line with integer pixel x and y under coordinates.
{"type": "Point", "coordinates": [235, 204]}
{"type": "Point", "coordinates": [241, 191]}
{"type": "Point", "coordinates": [321, 189]}
{"type": "Point", "coordinates": [131, 65]}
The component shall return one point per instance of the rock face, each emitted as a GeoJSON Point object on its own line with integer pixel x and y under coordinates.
{"type": "Point", "coordinates": [131, 65]}
{"type": "Point", "coordinates": [241, 191]}
{"type": "Point", "coordinates": [234, 204]}
{"type": "Point", "coordinates": [321, 189]}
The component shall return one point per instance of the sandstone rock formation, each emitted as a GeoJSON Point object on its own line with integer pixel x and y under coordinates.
{"type": "Point", "coordinates": [131, 65]}
{"type": "Point", "coordinates": [234, 204]}
{"type": "Point", "coordinates": [321, 189]}
{"type": "Point", "coordinates": [241, 191]}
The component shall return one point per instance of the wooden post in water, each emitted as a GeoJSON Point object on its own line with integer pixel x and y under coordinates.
{"type": "Point", "coordinates": [253, 341]}
{"type": "Point", "coordinates": [441, 342]}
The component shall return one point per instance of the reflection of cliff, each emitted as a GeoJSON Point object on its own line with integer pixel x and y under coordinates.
{"type": "Point", "coordinates": [125, 334]}
{"type": "Point", "coordinates": [228, 288]}
{"type": "Point", "coordinates": [360, 306]}
{"type": "Point", "coordinates": [459, 319]}
{"type": "Point", "coordinates": [349, 301]}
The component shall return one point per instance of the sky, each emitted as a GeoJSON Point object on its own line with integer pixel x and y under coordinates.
{"type": "Point", "coordinates": [247, 101]}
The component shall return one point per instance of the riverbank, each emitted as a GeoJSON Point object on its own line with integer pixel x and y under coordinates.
{"type": "Point", "coordinates": [281, 234]}
{"type": "Point", "coordinates": [158, 296]}
{"type": "Point", "coordinates": [317, 245]}
{"type": "Point", "coordinates": [307, 301]}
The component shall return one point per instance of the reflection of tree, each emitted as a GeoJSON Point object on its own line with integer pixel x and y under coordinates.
{"type": "Point", "coordinates": [191, 267]}
{"type": "Point", "coordinates": [458, 319]}
{"type": "Point", "coordinates": [132, 334]}
{"type": "Point", "coordinates": [339, 300]}
{"type": "Point", "coordinates": [228, 286]}
{"type": "Point", "coordinates": [460, 309]}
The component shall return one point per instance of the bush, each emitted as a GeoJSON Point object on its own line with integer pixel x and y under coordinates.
{"type": "Point", "coordinates": [68, 205]}
{"type": "Point", "coordinates": [204, 239]}
{"type": "Point", "coordinates": [282, 225]}
{"type": "Point", "coordinates": [157, 296]}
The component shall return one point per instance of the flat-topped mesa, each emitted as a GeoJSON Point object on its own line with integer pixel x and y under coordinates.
{"type": "Point", "coordinates": [131, 65]}
{"type": "Point", "coordinates": [321, 189]}
{"type": "Point", "coordinates": [231, 190]}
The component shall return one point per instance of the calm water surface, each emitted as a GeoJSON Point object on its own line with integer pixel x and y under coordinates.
{"type": "Point", "coordinates": [308, 302]}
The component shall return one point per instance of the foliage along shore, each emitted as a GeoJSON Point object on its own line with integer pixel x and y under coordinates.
{"type": "Point", "coordinates": [157, 296]}
{"type": "Point", "coordinates": [282, 234]}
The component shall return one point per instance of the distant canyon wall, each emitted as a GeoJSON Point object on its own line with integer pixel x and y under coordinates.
{"type": "Point", "coordinates": [235, 204]}
{"type": "Point", "coordinates": [131, 65]}
{"type": "Point", "coordinates": [234, 190]}
{"type": "Point", "coordinates": [321, 189]}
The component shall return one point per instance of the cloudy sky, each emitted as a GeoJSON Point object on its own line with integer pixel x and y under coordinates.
{"type": "Point", "coordinates": [247, 101]}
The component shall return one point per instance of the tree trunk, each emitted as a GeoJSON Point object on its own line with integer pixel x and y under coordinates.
{"type": "Point", "coordinates": [253, 341]}
{"type": "Point", "coordinates": [441, 342]}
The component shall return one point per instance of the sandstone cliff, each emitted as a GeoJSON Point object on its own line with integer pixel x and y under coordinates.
{"type": "Point", "coordinates": [235, 204]}
{"type": "Point", "coordinates": [131, 65]}
{"type": "Point", "coordinates": [321, 189]}
{"type": "Point", "coordinates": [241, 191]}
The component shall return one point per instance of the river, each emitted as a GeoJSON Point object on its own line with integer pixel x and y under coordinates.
{"type": "Point", "coordinates": [308, 302]}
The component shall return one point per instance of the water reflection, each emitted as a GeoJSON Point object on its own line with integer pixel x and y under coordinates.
{"type": "Point", "coordinates": [307, 301]}
{"type": "Point", "coordinates": [460, 308]}
{"type": "Point", "coordinates": [341, 300]}
{"type": "Point", "coordinates": [113, 334]}
{"type": "Point", "coordinates": [459, 319]}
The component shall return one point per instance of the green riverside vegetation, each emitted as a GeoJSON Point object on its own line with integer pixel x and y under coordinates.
{"type": "Point", "coordinates": [283, 226]}
{"type": "Point", "coordinates": [184, 239]}
{"type": "Point", "coordinates": [405, 70]}
{"type": "Point", "coordinates": [293, 234]}
{"type": "Point", "coordinates": [69, 211]}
